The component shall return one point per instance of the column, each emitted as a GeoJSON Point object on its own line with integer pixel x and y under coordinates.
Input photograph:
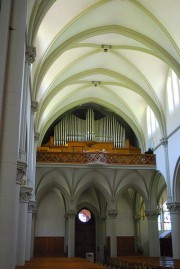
{"type": "Point", "coordinates": [31, 205]}
{"type": "Point", "coordinates": [30, 55]}
{"type": "Point", "coordinates": [25, 194]}
{"type": "Point", "coordinates": [34, 217]}
{"type": "Point", "coordinates": [70, 214]}
{"type": "Point", "coordinates": [164, 143]}
{"type": "Point", "coordinates": [10, 133]}
{"type": "Point", "coordinates": [103, 247]}
{"type": "Point", "coordinates": [112, 217]}
{"type": "Point", "coordinates": [66, 235]}
{"type": "Point", "coordinates": [174, 208]}
{"type": "Point", "coordinates": [33, 138]}
{"type": "Point", "coordinates": [5, 15]}
{"type": "Point", "coordinates": [30, 58]}
{"type": "Point", "coordinates": [154, 245]}
{"type": "Point", "coordinates": [137, 220]}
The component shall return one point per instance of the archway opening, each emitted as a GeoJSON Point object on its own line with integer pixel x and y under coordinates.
{"type": "Point", "coordinates": [164, 226]}
{"type": "Point", "coordinates": [85, 233]}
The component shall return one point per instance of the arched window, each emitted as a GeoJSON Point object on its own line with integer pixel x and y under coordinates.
{"type": "Point", "coordinates": [152, 123]}
{"type": "Point", "coordinates": [173, 91]}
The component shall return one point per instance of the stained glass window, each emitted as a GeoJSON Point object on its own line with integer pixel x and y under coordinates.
{"type": "Point", "coordinates": [164, 219]}
{"type": "Point", "coordinates": [167, 218]}
{"type": "Point", "coordinates": [84, 215]}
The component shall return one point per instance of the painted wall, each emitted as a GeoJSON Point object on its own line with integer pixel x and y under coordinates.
{"type": "Point", "coordinates": [124, 220]}
{"type": "Point", "coordinates": [50, 216]}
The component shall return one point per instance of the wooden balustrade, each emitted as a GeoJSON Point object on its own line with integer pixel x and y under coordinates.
{"type": "Point", "coordinates": [96, 158]}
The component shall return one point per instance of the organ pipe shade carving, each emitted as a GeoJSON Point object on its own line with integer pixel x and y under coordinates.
{"type": "Point", "coordinates": [106, 129]}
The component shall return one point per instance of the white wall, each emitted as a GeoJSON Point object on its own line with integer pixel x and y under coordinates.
{"type": "Point", "coordinates": [174, 154]}
{"type": "Point", "coordinates": [124, 220]}
{"type": "Point", "coordinates": [50, 217]}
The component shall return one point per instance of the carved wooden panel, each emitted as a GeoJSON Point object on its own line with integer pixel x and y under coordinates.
{"type": "Point", "coordinates": [96, 158]}
{"type": "Point", "coordinates": [49, 246]}
{"type": "Point", "coordinates": [125, 245]}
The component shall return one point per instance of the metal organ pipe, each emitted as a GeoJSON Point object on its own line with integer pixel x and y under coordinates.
{"type": "Point", "coordinates": [87, 126]}
{"type": "Point", "coordinates": [72, 128]}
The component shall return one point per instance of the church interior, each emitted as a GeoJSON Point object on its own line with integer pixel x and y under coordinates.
{"type": "Point", "coordinates": [89, 132]}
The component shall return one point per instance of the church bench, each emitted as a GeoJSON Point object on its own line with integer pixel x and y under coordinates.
{"type": "Point", "coordinates": [60, 263]}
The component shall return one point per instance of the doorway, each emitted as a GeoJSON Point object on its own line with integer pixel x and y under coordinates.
{"type": "Point", "coordinates": [85, 233]}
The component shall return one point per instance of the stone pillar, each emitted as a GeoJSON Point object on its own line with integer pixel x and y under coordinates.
{"type": "Point", "coordinates": [10, 130]}
{"type": "Point", "coordinates": [5, 17]}
{"type": "Point", "coordinates": [32, 148]}
{"type": "Point", "coordinates": [34, 217]}
{"type": "Point", "coordinates": [66, 235]}
{"type": "Point", "coordinates": [113, 242]}
{"type": "Point", "coordinates": [31, 205]}
{"type": "Point", "coordinates": [164, 143]}
{"type": "Point", "coordinates": [174, 208]}
{"type": "Point", "coordinates": [103, 247]}
{"type": "Point", "coordinates": [70, 214]}
{"type": "Point", "coordinates": [25, 194]}
{"type": "Point", "coordinates": [154, 245]}
{"type": "Point", "coordinates": [137, 220]}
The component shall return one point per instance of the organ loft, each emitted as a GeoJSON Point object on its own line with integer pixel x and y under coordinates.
{"type": "Point", "coordinates": [91, 132]}
{"type": "Point", "coordinates": [91, 135]}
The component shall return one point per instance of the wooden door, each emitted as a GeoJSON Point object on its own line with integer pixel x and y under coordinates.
{"type": "Point", "coordinates": [85, 237]}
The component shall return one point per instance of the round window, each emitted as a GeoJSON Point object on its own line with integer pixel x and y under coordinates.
{"type": "Point", "coordinates": [84, 215]}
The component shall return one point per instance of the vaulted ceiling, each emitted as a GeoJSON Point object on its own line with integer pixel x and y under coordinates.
{"type": "Point", "coordinates": [114, 53]}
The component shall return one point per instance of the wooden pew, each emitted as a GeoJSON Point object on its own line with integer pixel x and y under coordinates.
{"type": "Point", "coordinates": [142, 262]}
{"type": "Point", "coordinates": [60, 263]}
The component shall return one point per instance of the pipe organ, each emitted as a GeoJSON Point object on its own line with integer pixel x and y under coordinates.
{"type": "Point", "coordinates": [106, 129]}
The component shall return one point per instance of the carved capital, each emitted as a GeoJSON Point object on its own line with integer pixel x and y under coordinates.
{"type": "Point", "coordinates": [164, 141]}
{"type": "Point", "coordinates": [34, 107]}
{"type": "Point", "coordinates": [112, 214]}
{"type": "Point", "coordinates": [174, 207]}
{"type": "Point", "coordinates": [30, 54]}
{"type": "Point", "coordinates": [152, 214]}
{"type": "Point", "coordinates": [21, 171]}
{"type": "Point", "coordinates": [70, 214]}
{"type": "Point", "coordinates": [25, 194]}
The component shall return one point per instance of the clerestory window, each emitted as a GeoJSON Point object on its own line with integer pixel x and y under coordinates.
{"type": "Point", "coordinates": [173, 91]}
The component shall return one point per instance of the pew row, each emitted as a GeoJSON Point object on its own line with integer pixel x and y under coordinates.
{"type": "Point", "coordinates": [142, 262]}
{"type": "Point", "coordinates": [60, 263]}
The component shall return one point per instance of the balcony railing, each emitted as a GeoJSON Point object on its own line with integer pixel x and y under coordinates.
{"type": "Point", "coordinates": [96, 158]}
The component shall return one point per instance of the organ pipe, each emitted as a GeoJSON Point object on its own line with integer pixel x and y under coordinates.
{"type": "Point", "coordinates": [72, 128]}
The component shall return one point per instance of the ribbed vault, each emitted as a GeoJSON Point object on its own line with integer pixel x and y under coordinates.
{"type": "Point", "coordinates": [113, 53]}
